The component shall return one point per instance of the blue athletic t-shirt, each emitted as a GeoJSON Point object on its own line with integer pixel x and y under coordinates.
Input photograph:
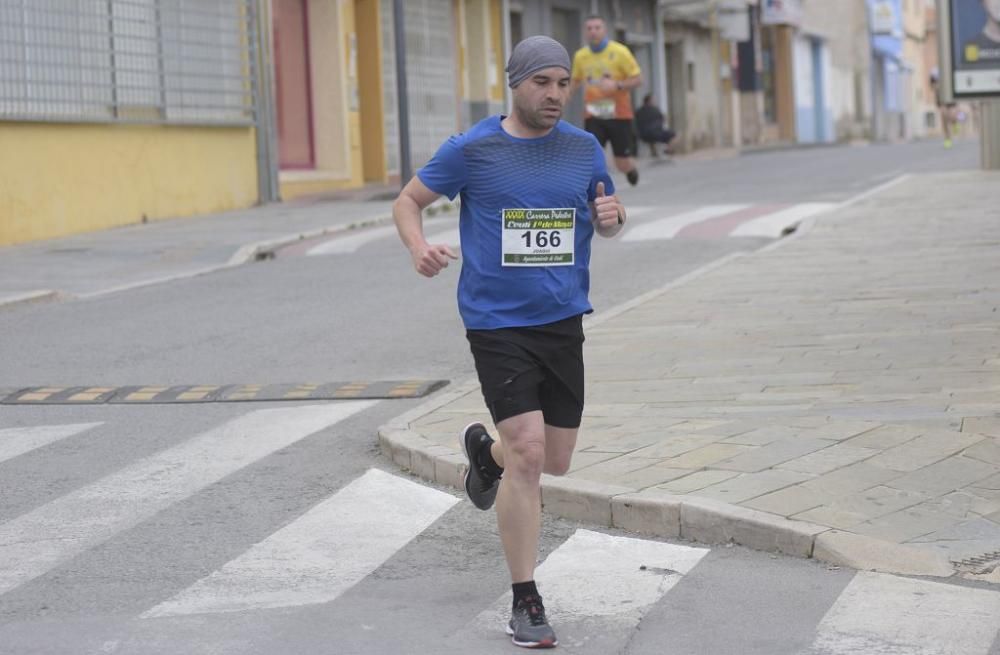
{"type": "Point", "coordinates": [501, 179]}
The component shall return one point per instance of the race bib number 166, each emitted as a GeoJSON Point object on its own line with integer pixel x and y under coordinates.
{"type": "Point", "coordinates": [538, 237]}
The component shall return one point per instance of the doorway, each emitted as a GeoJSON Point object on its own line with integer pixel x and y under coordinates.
{"type": "Point", "coordinates": [293, 85]}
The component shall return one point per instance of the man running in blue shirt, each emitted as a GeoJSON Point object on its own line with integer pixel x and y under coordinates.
{"type": "Point", "coordinates": [534, 190]}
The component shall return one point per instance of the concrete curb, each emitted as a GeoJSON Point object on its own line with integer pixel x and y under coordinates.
{"type": "Point", "coordinates": [244, 254]}
{"type": "Point", "coordinates": [39, 296]}
{"type": "Point", "coordinates": [254, 251]}
{"type": "Point", "coordinates": [657, 513]}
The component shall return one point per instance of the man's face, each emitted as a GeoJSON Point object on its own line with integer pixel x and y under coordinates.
{"type": "Point", "coordinates": [595, 30]}
{"type": "Point", "coordinates": [540, 99]}
{"type": "Point", "coordinates": [993, 9]}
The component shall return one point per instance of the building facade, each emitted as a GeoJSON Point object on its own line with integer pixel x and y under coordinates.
{"type": "Point", "coordinates": [118, 112]}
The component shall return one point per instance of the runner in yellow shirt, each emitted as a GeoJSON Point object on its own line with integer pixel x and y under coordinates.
{"type": "Point", "coordinates": [608, 71]}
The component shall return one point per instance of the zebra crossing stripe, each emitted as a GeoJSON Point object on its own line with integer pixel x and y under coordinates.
{"type": "Point", "coordinates": [667, 228]}
{"type": "Point", "coordinates": [773, 225]}
{"type": "Point", "coordinates": [599, 576]}
{"type": "Point", "coordinates": [348, 244]}
{"type": "Point", "coordinates": [17, 441]}
{"type": "Point", "coordinates": [34, 543]}
{"type": "Point", "coordinates": [326, 551]}
{"type": "Point", "coordinates": [879, 613]}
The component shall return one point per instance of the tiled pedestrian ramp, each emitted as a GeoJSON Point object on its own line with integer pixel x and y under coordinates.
{"type": "Point", "coordinates": [149, 394]}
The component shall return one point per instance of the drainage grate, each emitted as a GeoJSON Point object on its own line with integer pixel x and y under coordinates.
{"type": "Point", "coordinates": [980, 564]}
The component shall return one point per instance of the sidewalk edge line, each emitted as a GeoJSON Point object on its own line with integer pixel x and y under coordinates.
{"type": "Point", "coordinates": [249, 252]}
{"type": "Point", "coordinates": [29, 297]}
{"type": "Point", "coordinates": [806, 226]}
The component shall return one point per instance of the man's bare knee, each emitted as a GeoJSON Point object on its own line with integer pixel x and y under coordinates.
{"type": "Point", "coordinates": [525, 458]}
{"type": "Point", "coordinates": [557, 465]}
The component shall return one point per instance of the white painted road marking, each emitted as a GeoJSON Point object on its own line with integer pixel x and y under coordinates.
{"type": "Point", "coordinates": [887, 615]}
{"type": "Point", "coordinates": [323, 553]}
{"type": "Point", "coordinates": [667, 228]}
{"type": "Point", "coordinates": [773, 225]}
{"type": "Point", "coordinates": [17, 441]}
{"type": "Point", "coordinates": [343, 245]}
{"type": "Point", "coordinates": [36, 542]}
{"type": "Point", "coordinates": [595, 575]}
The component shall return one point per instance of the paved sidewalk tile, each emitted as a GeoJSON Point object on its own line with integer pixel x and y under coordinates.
{"type": "Point", "coordinates": [829, 459]}
{"type": "Point", "coordinates": [751, 485]}
{"type": "Point", "coordinates": [945, 476]}
{"type": "Point", "coordinates": [863, 506]}
{"type": "Point", "coordinates": [924, 450]}
{"type": "Point", "coordinates": [707, 455]}
{"type": "Point", "coordinates": [773, 454]}
{"type": "Point", "coordinates": [789, 501]}
{"type": "Point", "coordinates": [987, 450]}
{"type": "Point", "coordinates": [697, 481]}
{"type": "Point", "coordinates": [983, 425]}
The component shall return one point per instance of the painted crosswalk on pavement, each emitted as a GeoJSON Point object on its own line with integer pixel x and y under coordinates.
{"type": "Point", "coordinates": [350, 572]}
{"type": "Point", "coordinates": [645, 224]}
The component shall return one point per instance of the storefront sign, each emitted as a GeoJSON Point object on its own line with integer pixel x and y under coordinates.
{"type": "Point", "coordinates": [883, 17]}
{"type": "Point", "coordinates": [734, 25]}
{"type": "Point", "coordinates": [781, 12]}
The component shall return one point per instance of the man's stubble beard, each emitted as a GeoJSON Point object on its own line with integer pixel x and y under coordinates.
{"type": "Point", "coordinates": [535, 119]}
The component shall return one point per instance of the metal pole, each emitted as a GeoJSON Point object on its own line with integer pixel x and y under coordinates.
{"type": "Point", "coordinates": [660, 60]}
{"type": "Point", "coordinates": [989, 134]}
{"type": "Point", "coordinates": [259, 19]}
{"type": "Point", "coordinates": [717, 73]}
{"type": "Point", "coordinates": [874, 61]}
{"type": "Point", "coordinates": [403, 103]}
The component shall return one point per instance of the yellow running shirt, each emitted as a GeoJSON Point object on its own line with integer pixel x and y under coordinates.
{"type": "Point", "coordinates": [615, 62]}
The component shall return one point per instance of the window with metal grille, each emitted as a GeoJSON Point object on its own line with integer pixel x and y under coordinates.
{"type": "Point", "coordinates": [153, 61]}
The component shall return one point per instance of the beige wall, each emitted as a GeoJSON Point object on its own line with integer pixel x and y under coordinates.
{"type": "Point", "coordinates": [61, 179]}
{"type": "Point", "coordinates": [843, 24]}
{"type": "Point", "coordinates": [920, 96]}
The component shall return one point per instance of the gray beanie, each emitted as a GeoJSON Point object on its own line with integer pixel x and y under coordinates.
{"type": "Point", "coordinates": [533, 54]}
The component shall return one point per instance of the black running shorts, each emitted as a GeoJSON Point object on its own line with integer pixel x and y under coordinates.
{"type": "Point", "coordinates": [525, 369]}
{"type": "Point", "coordinates": [616, 130]}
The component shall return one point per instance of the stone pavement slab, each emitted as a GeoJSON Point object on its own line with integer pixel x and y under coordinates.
{"type": "Point", "coordinates": [845, 380]}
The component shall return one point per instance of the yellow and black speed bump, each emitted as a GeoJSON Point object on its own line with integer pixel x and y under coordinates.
{"type": "Point", "coordinates": [133, 395]}
{"type": "Point", "coordinates": [60, 396]}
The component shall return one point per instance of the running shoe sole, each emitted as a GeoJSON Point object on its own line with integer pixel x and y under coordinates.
{"type": "Point", "coordinates": [530, 644]}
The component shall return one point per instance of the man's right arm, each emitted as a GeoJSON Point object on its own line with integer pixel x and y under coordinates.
{"type": "Point", "coordinates": [407, 214]}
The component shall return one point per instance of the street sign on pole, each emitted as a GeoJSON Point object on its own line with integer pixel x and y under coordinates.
{"type": "Point", "coordinates": [970, 49]}
{"type": "Point", "coordinates": [970, 65]}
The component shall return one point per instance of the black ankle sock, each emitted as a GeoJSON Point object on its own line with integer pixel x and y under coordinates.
{"type": "Point", "coordinates": [486, 461]}
{"type": "Point", "coordinates": [523, 589]}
